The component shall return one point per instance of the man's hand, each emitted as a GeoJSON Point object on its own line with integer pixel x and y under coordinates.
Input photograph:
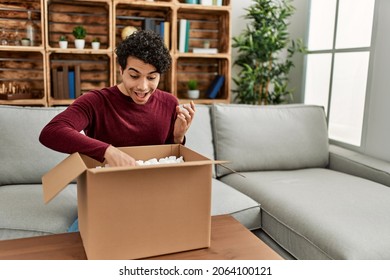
{"type": "Point", "coordinates": [115, 157]}
{"type": "Point", "coordinates": [183, 122]}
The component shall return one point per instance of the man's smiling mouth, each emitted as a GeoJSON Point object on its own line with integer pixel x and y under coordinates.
{"type": "Point", "coordinates": [141, 94]}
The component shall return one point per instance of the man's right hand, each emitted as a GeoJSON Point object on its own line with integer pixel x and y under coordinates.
{"type": "Point", "coordinates": [115, 157]}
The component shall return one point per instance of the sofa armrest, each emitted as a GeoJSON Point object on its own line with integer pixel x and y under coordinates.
{"type": "Point", "coordinates": [357, 164]}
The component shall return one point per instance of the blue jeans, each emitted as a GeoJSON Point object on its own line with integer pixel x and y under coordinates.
{"type": "Point", "coordinates": [75, 226]}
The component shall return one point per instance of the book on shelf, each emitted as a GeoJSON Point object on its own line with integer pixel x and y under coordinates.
{"type": "Point", "coordinates": [211, 2]}
{"type": "Point", "coordinates": [215, 87]}
{"type": "Point", "coordinates": [206, 2]}
{"type": "Point", "coordinates": [54, 83]}
{"type": "Point", "coordinates": [65, 91]}
{"type": "Point", "coordinates": [187, 45]}
{"type": "Point", "coordinates": [184, 35]}
{"type": "Point", "coordinates": [60, 84]}
{"type": "Point", "coordinates": [166, 33]}
{"type": "Point", "coordinates": [159, 26]}
{"type": "Point", "coordinates": [66, 82]}
{"type": "Point", "coordinates": [149, 24]}
{"type": "Point", "coordinates": [205, 50]}
{"type": "Point", "coordinates": [77, 80]}
{"type": "Point", "coordinates": [71, 84]}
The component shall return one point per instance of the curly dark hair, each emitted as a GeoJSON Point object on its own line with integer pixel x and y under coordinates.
{"type": "Point", "coordinates": [147, 46]}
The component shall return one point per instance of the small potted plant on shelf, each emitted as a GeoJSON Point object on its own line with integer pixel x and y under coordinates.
{"type": "Point", "coordinates": [25, 42]}
{"type": "Point", "coordinates": [63, 42]}
{"type": "Point", "coordinates": [193, 91]}
{"type": "Point", "coordinates": [79, 34]}
{"type": "Point", "coordinates": [95, 43]}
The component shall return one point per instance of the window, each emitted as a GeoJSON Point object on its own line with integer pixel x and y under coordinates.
{"type": "Point", "coordinates": [339, 45]}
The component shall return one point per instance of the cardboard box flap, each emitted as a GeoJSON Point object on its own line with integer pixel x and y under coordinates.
{"type": "Point", "coordinates": [61, 175]}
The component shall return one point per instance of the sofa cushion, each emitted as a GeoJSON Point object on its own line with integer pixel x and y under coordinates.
{"type": "Point", "coordinates": [23, 212]}
{"type": "Point", "coordinates": [227, 200]}
{"type": "Point", "coordinates": [278, 137]}
{"type": "Point", "coordinates": [24, 158]}
{"type": "Point", "coordinates": [320, 213]}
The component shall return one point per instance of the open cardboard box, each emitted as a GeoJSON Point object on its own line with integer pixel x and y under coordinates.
{"type": "Point", "coordinates": [141, 211]}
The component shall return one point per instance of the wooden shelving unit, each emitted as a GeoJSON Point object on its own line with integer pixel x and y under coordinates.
{"type": "Point", "coordinates": [32, 66]}
{"type": "Point", "coordinates": [22, 67]}
{"type": "Point", "coordinates": [95, 65]}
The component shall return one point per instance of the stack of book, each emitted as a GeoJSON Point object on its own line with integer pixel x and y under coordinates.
{"type": "Point", "coordinates": [159, 26]}
{"type": "Point", "coordinates": [205, 50]}
{"type": "Point", "coordinates": [66, 82]}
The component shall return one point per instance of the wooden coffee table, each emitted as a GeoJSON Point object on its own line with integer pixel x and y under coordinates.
{"type": "Point", "coordinates": [229, 241]}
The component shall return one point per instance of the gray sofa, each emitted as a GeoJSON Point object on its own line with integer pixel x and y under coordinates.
{"type": "Point", "coordinates": [306, 198]}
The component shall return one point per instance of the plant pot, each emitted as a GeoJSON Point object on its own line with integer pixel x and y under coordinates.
{"type": "Point", "coordinates": [193, 94]}
{"type": "Point", "coordinates": [95, 45]}
{"type": "Point", "coordinates": [63, 44]}
{"type": "Point", "coordinates": [79, 43]}
{"type": "Point", "coordinates": [25, 42]}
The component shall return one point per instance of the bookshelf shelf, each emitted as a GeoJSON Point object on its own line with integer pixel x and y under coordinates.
{"type": "Point", "coordinates": [106, 20]}
{"type": "Point", "coordinates": [62, 16]}
{"type": "Point", "coordinates": [22, 74]}
{"type": "Point", "coordinates": [90, 71]}
{"type": "Point", "coordinates": [204, 70]}
{"type": "Point", "coordinates": [77, 51]}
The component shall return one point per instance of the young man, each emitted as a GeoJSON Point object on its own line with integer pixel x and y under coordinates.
{"type": "Point", "coordinates": [132, 113]}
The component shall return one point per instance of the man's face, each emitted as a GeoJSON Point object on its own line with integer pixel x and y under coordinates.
{"type": "Point", "coordinates": [139, 80]}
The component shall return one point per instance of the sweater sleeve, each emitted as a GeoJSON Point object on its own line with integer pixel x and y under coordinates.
{"type": "Point", "coordinates": [63, 132]}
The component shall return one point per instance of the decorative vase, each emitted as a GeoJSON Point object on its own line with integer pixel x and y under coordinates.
{"type": "Point", "coordinates": [95, 45]}
{"type": "Point", "coordinates": [30, 29]}
{"type": "Point", "coordinates": [127, 31]}
{"type": "Point", "coordinates": [79, 43]}
{"type": "Point", "coordinates": [63, 44]}
{"type": "Point", "coordinates": [193, 94]}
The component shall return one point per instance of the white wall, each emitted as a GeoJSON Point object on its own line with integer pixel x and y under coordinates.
{"type": "Point", "coordinates": [238, 24]}
{"type": "Point", "coordinates": [377, 140]}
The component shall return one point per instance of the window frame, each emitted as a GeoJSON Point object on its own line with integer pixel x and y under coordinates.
{"type": "Point", "coordinates": [333, 51]}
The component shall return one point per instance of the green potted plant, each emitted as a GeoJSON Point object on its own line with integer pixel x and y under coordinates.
{"type": "Point", "coordinates": [79, 33]}
{"type": "Point", "coordinates": [263, 75]}
{"type": "Point", "coordinates": [63, 42]}
{"type": "Point", "coordinates": [193, 91]}
{"type": "Point", "coordinates": [95, 43]}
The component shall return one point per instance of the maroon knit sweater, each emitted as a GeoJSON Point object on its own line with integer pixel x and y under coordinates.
{"type": "Point", "coordinates": [108, 117]}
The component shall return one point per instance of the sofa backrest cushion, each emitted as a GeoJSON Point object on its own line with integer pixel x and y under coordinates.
{"type": "Point", "coordinates": [274, 137]}
{"type": "Point", "coordinates": [23, 158]}
{"type": "Point", "coordinates": [199, 136]}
